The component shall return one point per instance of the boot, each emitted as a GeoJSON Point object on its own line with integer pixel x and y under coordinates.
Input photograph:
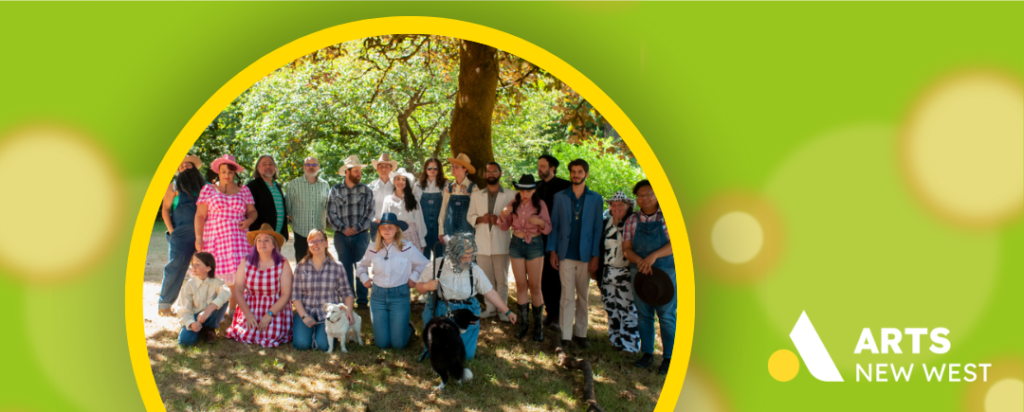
{"type": "Point", "coordinates": [538, 327]}
{"type": "Point", "coordinates": [524, 321]}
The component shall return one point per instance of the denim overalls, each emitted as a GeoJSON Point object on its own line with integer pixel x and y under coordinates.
{"type": "Point", "coordinates": [458, 207]}
{"type": "Point", "coordinates": [430, 205]}
{"type": "Point", "coordinates": [649, 237]}
{"type": "Point", "coordinates": [181, 247]}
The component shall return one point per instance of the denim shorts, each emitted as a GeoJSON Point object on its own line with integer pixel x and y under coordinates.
{"type": "Point", "coordinates": [519, 249]}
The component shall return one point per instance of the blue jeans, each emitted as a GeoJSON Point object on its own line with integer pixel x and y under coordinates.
{"type": "Point", "coordinates": [181, 247]}
{"type": "Point", "coordinates": [666, 319]}
{"type": "Point", "coordinates": [303, 336]}
{"type": "Point", "coordinates": [389, 313]}
{"type": "Point", "coordinates": [350, 249]}
{"type": "Point", "coordinates": [188, 338]}
{"type": "Point", "coordinates": [472, 334]}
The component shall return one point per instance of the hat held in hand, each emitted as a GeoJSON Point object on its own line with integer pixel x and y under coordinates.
{"type": "Point", "coordinates": [655, 289]}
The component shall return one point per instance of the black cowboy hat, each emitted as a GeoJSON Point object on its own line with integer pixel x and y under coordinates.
{"type": "Point", "coordinates": [655, 289]}
{"type": "Point", "coordinates": [525, 183]}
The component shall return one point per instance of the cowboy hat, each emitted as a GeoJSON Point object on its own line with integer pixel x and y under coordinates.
{"type": "Point", "coordinates": [655, 289]}
{"type": "Point", "coordinates": [620, 196]}
{"type": "Point", "coordinates": [526, 183]}
{"type": "Point", "coordinates": [265, 228]}
{"type": "Point", "coordinates": [392, 219]}
{"type": "Point", "coordinates": [350, 162]}
{"type": "Point", "coordinates": [194, 160]}
{"type": "Point", "coordinates": [463, 160]}
{"type": "Point", "coordinates": [226, 160]}
{"type": "Point", "coordinates": [385, 158]}
{"type": "Point", "coordinates": [409, 177]}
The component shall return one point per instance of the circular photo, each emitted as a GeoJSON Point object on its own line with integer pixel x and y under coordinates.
{"type": "Point", "coordinates": [410, 222]}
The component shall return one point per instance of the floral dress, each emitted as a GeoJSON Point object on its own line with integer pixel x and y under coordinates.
{"type": "Point", "coordinates": [221, 235]}
{"type": "Point", "coordinates": [262, 289]}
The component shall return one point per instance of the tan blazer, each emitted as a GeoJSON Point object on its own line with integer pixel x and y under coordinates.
{"type": "Point", "coordinates": [490, 240]}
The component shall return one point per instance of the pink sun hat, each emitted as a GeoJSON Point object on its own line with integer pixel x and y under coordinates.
{"type": "Point", "coordinates": [226, 160]}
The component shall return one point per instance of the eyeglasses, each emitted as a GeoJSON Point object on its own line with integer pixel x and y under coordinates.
{"type": "Point", "coordinates": [316, 242]}
{"type": "Point", "coordinates": [312, 164]}
{"type": "Point", "coordinates": [489, 173]}
{"type": "Point", "coordinates": [649, 195]}
{"type": "Point", "coordinates": [432, 168]}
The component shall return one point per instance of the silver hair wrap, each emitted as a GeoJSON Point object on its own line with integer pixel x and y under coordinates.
{"type": "Point", "coordinates": [459, 244]}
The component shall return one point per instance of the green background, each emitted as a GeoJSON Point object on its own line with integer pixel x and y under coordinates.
{"type": "Point", "coordinates": [785, 100]}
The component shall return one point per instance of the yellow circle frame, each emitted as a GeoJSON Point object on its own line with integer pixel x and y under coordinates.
{"type": "Point", "coordinates": [420, 25]}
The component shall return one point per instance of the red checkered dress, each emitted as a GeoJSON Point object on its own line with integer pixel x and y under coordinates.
{"type": "Point", "coordinates": [262, 289]}
{"type": "Point", "coordinates": [221, 235]}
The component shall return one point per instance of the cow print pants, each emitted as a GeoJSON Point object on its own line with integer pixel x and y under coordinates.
{"type": "Point", "coordinates": [617, 296]}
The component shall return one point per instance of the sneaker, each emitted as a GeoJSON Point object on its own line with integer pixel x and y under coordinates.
{"type": "Point", "coordinates": [663, 369]}
{"type": "Point", "coordinates": [489, 313]}
{"type": "Point", "coordinates": [581, 341]}
{"type": "Point", "coordinates": [646, 360]}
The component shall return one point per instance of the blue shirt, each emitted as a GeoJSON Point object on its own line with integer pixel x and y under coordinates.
{"type": "Point", "coordinates": [576, 226]}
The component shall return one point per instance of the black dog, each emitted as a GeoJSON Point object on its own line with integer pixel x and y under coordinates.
{"type": "Point", "coordinates": [444, 344]}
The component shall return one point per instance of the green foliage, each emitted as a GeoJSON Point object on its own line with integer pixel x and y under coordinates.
{"type": "Point", "coordinates": [610, 169]}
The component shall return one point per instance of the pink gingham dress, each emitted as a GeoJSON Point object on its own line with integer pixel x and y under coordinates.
{"type": "Point", "coordinates": [262, 289]}
{"type": "Point", "coordinates": [221, 235]}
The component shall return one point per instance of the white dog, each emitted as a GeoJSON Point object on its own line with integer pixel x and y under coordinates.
{"type": "Point", "coordinates": [337, 326]}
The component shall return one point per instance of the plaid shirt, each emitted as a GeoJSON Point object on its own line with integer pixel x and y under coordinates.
{"type": "Point", "coordinates": [307, 203]}
{"type": "Point", "coordinates": [350, 207]}
{"type": "Point", "coordinates": [630, 227]}
{"type": "Point", "coordinates": [315, 288]}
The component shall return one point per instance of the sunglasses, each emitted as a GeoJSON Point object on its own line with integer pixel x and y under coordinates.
{"type": "Point", "coordinates": [432, 168]}
{"type": "Point", "coordinates": [312, 164]}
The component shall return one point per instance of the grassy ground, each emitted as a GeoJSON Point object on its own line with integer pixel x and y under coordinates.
{"type": "Point", "coordinates": [509, 375]}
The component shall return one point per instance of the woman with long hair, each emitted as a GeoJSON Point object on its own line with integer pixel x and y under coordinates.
{"type": "Point", "coordinates": [319, 279]}
{"type": "Point", "coordinates": [528, 218]}
{"type": "Point", "coordinates": [404, 205]}
{"type": "Point", "coordinates": [223, 214]}
{"type": "Point", "coordinates": [397, 266]}
{"type": "Point", "coordinates": [263, 290]}
{"type": "Point", "coordinates": [179, 214]}
{"type": "Point", "coordinates": [432, 179]}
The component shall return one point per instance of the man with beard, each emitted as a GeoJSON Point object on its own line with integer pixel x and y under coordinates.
{"type": "Point", "coordinates": [350, 210]}
{"type": "Point", "coordinates": [484, 206]}
{"type": "Point", "coordinates": [576, 225]}
{"type": "Point", "coordinates": [551, 285]}
{"type": "Point", "coordinates": [179, 214]}
{"type": "Point", "coordinates": [268, 197]}
{"type": "Point", "coordinates": [306, 200]}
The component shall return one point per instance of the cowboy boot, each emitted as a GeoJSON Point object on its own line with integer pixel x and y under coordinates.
{"type": "Point", "coordinates": [524, 321]}
{"type": "Point", "coordinates": [538, 327]}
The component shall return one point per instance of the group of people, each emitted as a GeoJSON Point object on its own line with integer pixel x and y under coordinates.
{"type": "Point", "coordinates": [447, 239]}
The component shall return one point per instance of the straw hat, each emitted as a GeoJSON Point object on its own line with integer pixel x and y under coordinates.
{"type": "Point", "coordinates": [386, 158]}
{"type": "Point", "coordinates": [226, 160]}
{"type": "Point", "coordinates": [463, 160]}
{"type": "Point", "coordinates": [194, 160]}
{"type": "Point", "coordinates": [526, 183]}
{"type": "Point", "coordinates": [656, 289]}
{"type": "Point", "coordinates": [350, 162]}
{"type": "Point", "coordinates": [620, 196]}
{"type": "Point", "coordinates": [265, 228]}
{"type": "Point", "coordinates": [392, 219]}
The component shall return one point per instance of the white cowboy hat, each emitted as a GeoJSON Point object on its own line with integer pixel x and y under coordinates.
{"type": "Point", "coordinates": [409, 177]}
{"type": "Point", "coordinates": [386, 158]}
{"type": "Point", "coordinates": [350, 162]}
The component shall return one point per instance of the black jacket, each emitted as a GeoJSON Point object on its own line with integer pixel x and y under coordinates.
{"type": "Point", "coordinates": [547, 190]}
{"type": "Point", "coordinates": [266, 212]}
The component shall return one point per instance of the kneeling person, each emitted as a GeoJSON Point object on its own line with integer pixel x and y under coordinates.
{"type": "Point", "coordinates": [456, 278]}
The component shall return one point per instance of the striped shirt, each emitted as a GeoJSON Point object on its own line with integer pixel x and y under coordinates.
{"type": "Point", "coordinates": [314, 287]}
{"type": "Point", "coordinates": [307, 203]}
{"type": "Point", "coordinates": [278, 205]}
{"type": "Point", "coordinates": [350, 207]}
{"type": "Point", "coordinates": [630, 227]}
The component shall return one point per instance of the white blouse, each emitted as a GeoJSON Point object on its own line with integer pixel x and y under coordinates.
{"type": "Point", "coordinates": [391, 266]}
{"type": "Point", "coordinates": [431, 187]}
{"type": "Point", "coordinates": [393, 204]}
{"type": "Point", "coordinates": [455, 286]}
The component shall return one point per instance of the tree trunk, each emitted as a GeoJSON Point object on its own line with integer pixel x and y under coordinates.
{"type": "Point", "coordinates": [470, 132]}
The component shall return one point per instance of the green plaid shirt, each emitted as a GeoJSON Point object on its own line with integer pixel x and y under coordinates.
{"type": "Point", "coordinates": [307, 204]}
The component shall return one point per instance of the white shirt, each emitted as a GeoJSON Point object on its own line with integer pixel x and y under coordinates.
{"type": "Point", "coordinates": [391, 267]}
{"type": "Point", "coordinates": [392, 204]}
{"type": "Point", "coordinates": [490, 238]}
{"type": "Point", "coordinates": [455, 286]}
{"type": "Point", "coordinates": [380, 191]}
{"type": "Point", "coordinates": [431, 187]}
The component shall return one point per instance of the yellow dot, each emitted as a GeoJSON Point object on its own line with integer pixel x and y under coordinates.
{"type": "Point", "coordinates": [963, 149]}
{"type": "Point", "coordinates": [1005, 395]}
{"type": "Point", "coordinates": [737, 237]}
{"type": "Point", "coordinates": [783, 365]}
{"type": "Point", "coordinates": [60, 185]}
